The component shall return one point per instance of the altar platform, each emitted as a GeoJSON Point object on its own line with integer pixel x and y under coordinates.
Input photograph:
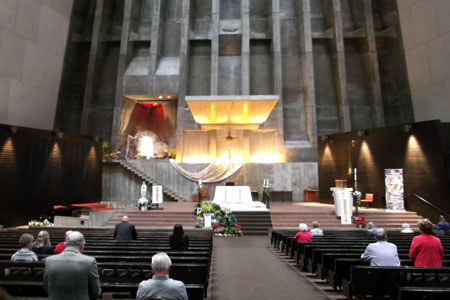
{"type": "Point", "coordinates": [283, 215]}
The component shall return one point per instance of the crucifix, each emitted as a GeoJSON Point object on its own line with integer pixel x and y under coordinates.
{"type": "Point", "coordinates": [229, 139]}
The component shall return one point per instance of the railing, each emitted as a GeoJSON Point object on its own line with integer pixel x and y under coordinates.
{"type": "Point", "coordinates": [426, 208]}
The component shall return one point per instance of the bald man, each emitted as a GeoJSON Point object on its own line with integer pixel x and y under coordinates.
{"type": "Point", "coordinates": [125, 231]}
{"type": "Point", "coordinates": [72, 275]}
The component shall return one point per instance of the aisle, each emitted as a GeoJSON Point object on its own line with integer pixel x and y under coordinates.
{"type": "Point", "coordinates": [245, 268]}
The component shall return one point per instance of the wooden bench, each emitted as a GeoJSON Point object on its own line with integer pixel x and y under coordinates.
{"type": "Point", "coordinates": [381, 281]}
{"type": "Point", "coordinates": [20, 277]}
{"type": "Point", "coordinates": [424, 293]}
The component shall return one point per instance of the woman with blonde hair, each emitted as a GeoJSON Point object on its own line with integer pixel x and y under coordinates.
{"type": "Point", "coordinates": [42, 244]}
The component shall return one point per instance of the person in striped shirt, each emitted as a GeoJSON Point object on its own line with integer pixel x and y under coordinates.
{"type": "Point", "coordinates": [25, 253]}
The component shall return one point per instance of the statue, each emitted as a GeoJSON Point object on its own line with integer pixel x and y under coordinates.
{"type": "Point", "coordinates": [143, 201]}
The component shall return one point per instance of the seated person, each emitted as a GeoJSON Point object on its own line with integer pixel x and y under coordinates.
{"type": "Point", "coordinates": [316, 231]}
{"type": "Point", "coordinates": [178, 240]}
{"type": "Point", "coordinates": [161, 286]}
{"type": "Point", "coordinates": [426, 250]}
{"type": "Point", "coordinates": [437, 231]}
{"type": "Point", "coordinates": [303, 236]}
{"type": "Point", "coordinates": [443, 224]}
{"type": "Point", "coordinates": [371, 228]}
{"type": "Point", "coordinates": [381, 253]}
{"type": "Point", "coordinates": [406, 228]}
{"type": "Point", "coordinates": [25, 253]}
{"type": "Point", "coordinates": [42, 244]}
{"type": "Point", "coordinates": [62, 245]}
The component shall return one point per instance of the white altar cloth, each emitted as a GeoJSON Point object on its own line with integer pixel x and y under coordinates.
{"type": "Point", "coordinates": [237, 198]}
{"type": "Point", "coordinates": [343, 203]}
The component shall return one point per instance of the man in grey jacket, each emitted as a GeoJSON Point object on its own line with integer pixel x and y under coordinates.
{"type": "Point", "coordinates": [161, 286]}
{"type": "Point", "coordinates": [381, 253]}
{"type": "Point", "coordinates": [72, 275]}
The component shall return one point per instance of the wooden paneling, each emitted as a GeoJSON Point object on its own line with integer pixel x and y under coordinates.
{"type": "Point", "coordinates": [39, 169]}
{"type": "Point", "coordinates": [419, 152]}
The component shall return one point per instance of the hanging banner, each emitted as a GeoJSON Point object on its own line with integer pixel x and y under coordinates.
{"type": "Point", "coordinates": [157, 194]}
{"type": "Point", "coordinates": [394, 190]}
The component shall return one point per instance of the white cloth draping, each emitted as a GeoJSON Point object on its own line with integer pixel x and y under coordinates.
{"type": "Point", "coordinates": [212, 173]}
{"type": "Point", "coordinates": [233, 195]}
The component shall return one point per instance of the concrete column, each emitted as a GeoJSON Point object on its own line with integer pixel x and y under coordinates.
{"type": "Point", "coordinates": [245, 51]}
{"type": "Point", "coordinates": [307, 67]}
{"type": "Point", "coordinates": [97, 48]}
{"type": "Point", "coordinates": [372, 68]}
{"type": "Point", "coordinates": [337, 44]}
{"type": "Point", "coordinates": [126, 51]}
{"type": "Point", "coordinates": [277, 71]}
{"type": "Point", "coordinates": [155, 47]}
{"type": "Point", "coordinates": [215, 23]}
{"type": "Point", "coordinates": [182, 89]}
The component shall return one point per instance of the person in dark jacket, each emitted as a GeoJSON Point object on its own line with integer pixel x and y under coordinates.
{"type": "Point", "coordinates": [42, 245]}
{"type": "Point", "coordinates": [178, 240]}
{"type": "Point", "coordinates": [125, 231]}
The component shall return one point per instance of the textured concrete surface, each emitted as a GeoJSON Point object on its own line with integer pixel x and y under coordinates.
{"type": "Point", "coordinates": [33, 36]}
{"type": "Point", "coordinates": [120, 185]}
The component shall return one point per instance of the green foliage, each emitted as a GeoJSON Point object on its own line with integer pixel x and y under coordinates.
{"type": "Point", "coordinates": [222, 220]}
{"type": "Point", "coordinates": [109, 154]}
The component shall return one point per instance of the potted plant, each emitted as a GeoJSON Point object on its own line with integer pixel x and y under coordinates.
{"type": "Point", "coordinates": [357, 197]}
{"type": "Point", "coordinates": [109, 154]}
{"type": "Point", "coordinates": [360, 221]}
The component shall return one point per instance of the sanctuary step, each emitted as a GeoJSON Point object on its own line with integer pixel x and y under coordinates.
{"type": "Point", "coordinates": [254, 222]}
{"type": "Point", "coordinates": [291, 214]}
{"type": "Point", "coordinates": [169, 215]}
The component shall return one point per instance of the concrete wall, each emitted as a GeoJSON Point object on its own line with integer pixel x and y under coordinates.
{"type": "Point", "coordinates": [426, 37]}
{"type": "Point", "coordinates": [120, 185]}
{"type": "Point", "coordinates": [33, 36]}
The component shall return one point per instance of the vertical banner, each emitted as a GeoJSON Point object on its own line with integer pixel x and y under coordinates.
{"type": "Point", "coordinates": [157, 194]}
{"type": "Point", "coordinates": [394, 190]}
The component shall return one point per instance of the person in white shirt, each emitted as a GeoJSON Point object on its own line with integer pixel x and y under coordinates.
{"type": "Point", "coordinates": [381, 253]}
{"type": "Point", "coordinates": [316, 231]}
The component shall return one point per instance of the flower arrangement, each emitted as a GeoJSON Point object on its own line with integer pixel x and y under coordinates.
{"type": "Point", "coordinates": [223, 221]}
{"type": "Point", "coordinates": [37, 224]}
{"type": "Point", "coordinates": [266, 188]}
{"type": "Point", "coordinates": [109, 154]}
{"type": "Point", "coordinates": [360, 221]}
{"type": "Point", "coordinates": [357, 195]}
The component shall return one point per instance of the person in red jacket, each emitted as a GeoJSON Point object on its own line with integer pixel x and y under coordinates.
{"type": "Point", "coordinates": [303, 236]}
{"type": "Point", "coordinates": [426, 250]}
{"type": "Point", "coordinates": [61, 246]}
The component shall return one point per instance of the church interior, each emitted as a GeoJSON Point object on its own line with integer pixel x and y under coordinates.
{"type": "Point", "coordinates": [238, 119]}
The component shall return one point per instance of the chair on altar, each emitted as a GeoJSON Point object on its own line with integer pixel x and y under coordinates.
{"type": "Point", "coordinates": [205, 195]}
{"type": "Point", "coordinates": [367, 200]}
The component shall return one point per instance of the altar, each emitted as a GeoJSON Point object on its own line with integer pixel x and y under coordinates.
{"type": "Point", "coordinates": [343, 203]}
{"type": "Point", "coordinates": [237, 198]}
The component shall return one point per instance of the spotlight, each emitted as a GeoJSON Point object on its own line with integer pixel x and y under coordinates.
{"type": "Point", "coordinates": [328, 138]}
{"type": "Point", "coordinates": [58, 134]}
{"type": "Point", "coordinates": [14, 129]}
{"type": "Point", "coordinates": [361, 133]}
{"type": "Point", "coordinates": [407, 127]}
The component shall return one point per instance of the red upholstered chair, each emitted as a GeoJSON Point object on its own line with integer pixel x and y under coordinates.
{"type": "Point", "coordinates": [369, 198]}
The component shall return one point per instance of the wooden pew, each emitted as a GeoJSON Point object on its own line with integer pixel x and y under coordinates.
{"type": "Point", "coordinates": [424, 293]}
{"type": "Point", "coordinates": [381, 281]}
{"type": "Point", "coordinates": [20, 277]}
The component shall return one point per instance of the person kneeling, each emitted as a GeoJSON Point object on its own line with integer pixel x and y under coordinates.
{"type": "Point", "coordinates": [161, 286]}
{"type": "Point", "coordinates": [381, 253]}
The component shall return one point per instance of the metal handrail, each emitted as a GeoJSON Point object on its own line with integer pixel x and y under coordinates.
{"type": "Point", "coordinates": [443, 212]}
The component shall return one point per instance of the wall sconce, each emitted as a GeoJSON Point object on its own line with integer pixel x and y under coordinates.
{"type": "Point", "coordinates": [407, 127]}
{"type": "Point", "coordinates": [58, 134]}
{"type": "Point", "coordinates": [354, 142]}
{"type": "Point", "coordinates": [361, 133]}
{"type": "Point", "coordinates": [14, 129]}
{"type": "Point", "coordinates": [328, 138]}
